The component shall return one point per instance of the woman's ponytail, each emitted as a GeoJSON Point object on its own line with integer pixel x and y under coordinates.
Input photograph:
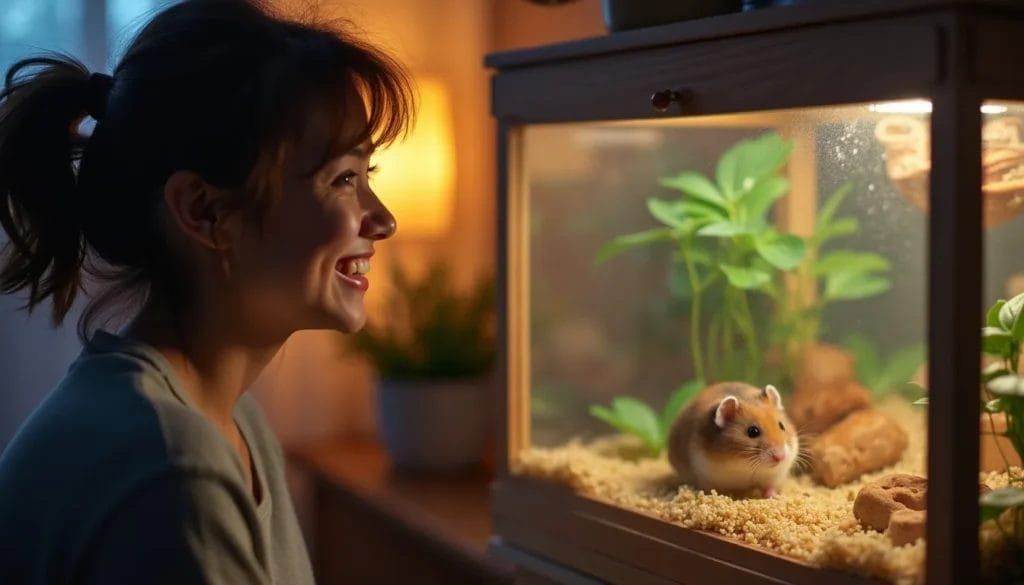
{"type": "Point", "coordinates": [44, 100]}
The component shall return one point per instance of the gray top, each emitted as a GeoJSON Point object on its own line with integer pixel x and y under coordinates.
{"type": "Point", "coordinates": [117, 478]}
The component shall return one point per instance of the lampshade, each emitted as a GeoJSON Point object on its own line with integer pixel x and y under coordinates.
{"type": "Point", "coordinates": [416, 179]}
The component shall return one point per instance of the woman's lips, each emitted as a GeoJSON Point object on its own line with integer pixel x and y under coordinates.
{"type": "Point", "coordinates": [345, 269]}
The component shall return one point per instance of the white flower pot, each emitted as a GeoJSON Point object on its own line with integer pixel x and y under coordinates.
{"type": "Point", "coordinates": [434, 425]}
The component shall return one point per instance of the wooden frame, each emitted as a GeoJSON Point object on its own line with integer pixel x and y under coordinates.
{"type": "Point", "coordinates": [957, 53]}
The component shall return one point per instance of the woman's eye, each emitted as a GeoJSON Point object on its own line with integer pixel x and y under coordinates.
{"type": "Point", "coordinates": [372, 170]}
{"type": "Point", "coordinates": [344, 179]}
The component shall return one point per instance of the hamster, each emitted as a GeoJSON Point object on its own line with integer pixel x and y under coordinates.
{"type": "Point", "coordinates": [734, 438]}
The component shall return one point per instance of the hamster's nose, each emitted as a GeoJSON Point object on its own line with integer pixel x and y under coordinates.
{"type": "Point", "coordinates": [777, 453]}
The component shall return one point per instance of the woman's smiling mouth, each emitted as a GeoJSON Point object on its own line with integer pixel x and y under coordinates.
{"type": "Point", "coordinates": [352, 270]}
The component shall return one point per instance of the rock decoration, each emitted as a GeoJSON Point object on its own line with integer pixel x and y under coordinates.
{"type": "Point", "coordinates": [826, 389]}
{"type": "Point", "coordinates": [908, 163]}
{"type": "Point", "coordinates": [862, 442]}
{"type": "Point", "coordinates": [895, 505]}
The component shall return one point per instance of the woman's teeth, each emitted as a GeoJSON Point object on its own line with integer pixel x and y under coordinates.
{"type": "Point", "coordinates": [356, 266]}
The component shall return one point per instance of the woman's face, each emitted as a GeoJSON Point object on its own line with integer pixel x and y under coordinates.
{"type": "Point", "coordinates": [306, 268]}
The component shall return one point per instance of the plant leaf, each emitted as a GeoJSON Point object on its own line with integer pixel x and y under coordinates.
{"type": "Point", "coordinates": [1009, 313]}
{"type": "Point", "coordinates": [680, 398]}
{"type": "Point", "coordinates": [866, 361]}
{"type": "Point", "coordinates": [762, 196]}
{"type": "Point", "coordinates": [993, 371]}
{"type": "Point", "coordinates": [639, 418]}
{"type": "Point", "coordinates": [670, 213]}
{"type": "Point", "coordinates": [697, 186]}
{"type": "Point", "coordinates": [744, 277]}
{"type": "Point", "coordinates": [992, 318]}
{"type": "Point", "coordinates": [1012, 385]}
{"type": "Point", "coordinates": [840, 227]}
{"type": "Point", "coordinates": [993, 406]}
{"type": "Point", "coordinates": [848, 286]}
{"type": "Point", "coordinates": [995, 502]}
{"type": "Point", "coordinates": [608, 416]}
{"type": "Point", "coordinates": [783, 251]}
{"type": "Point", "coordinates": [828, 210]}
{"type": "Point", "coordinates": [847, 260]}
{"type": "Point", "coordinates": [702, 210]}
{"type": "Point", "coordinates": [901, 367]}
{"type": "Point", "coordinates": [921, 401]}
{"type": "Point", "coordinates": [995, 341]}
{"type": "Point", "coordinates": [725, 229]}
{"type": "Point", "coordinates": [622, 243]}
{"type": "Point", "coordinates": [750, 160]}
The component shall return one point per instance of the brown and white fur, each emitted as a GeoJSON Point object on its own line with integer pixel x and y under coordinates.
{"type": "Point", "coordinates": [712, 444]}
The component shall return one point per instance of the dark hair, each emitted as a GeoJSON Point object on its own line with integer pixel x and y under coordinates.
{"type": "Point", "coordinates": [218, 87]}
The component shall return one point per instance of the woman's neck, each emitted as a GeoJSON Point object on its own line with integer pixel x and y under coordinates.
{"type": "Point", "coordinates": [214, 363]}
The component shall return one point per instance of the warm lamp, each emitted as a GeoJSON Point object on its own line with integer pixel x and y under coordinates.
{"type": "Point", "coordinates": [417, 175]}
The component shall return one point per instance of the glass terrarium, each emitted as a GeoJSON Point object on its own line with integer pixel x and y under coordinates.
{"type": "Point", "coordinates": [761, 312]}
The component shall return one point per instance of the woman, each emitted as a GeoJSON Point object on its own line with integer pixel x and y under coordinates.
{"type": "Point", "coordinates": [223, 201]}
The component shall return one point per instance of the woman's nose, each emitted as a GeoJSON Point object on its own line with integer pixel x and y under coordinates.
{"type": "Point", "coordinates": [379, 223]}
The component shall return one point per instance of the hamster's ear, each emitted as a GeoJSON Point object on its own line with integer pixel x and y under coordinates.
{"type": "Point", "coordinates": [773, 396]}
{"type": "Point", "coordinates": [726, 411]}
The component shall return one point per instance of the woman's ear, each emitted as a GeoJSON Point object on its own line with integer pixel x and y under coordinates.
{"type": "Point", "coordinates": [198, 209]}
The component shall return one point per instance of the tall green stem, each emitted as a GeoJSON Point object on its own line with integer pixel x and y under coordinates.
{"type": "Point", "coordinates": [695, 288]}
{"type": "Point", "coordinates": [745, 321]}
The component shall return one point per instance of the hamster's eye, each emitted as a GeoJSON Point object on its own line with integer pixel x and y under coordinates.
{"type": "Point", "coordinates": [782, 426]}
{"type": "Point", "coordinates": [753, 432]}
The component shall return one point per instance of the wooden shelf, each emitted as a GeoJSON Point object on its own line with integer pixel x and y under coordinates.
{"type": "Point", "coordinates": [365, 515]}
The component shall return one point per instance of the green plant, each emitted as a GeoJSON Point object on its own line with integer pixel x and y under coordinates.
{"type": "Point", "coordinates": [726, 248]}
{"type": "Point", "coordinates": [1002, 338]}
{"type": "Point", "coordinates": [632, 416]}
{"type": "Point", "coordinates": [432, 331]}
{"type": "Point", "coordinates": [886, 376]}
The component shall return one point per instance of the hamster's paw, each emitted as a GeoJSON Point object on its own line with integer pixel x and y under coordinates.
{"type": "Point", "coordinates": [770, 492]}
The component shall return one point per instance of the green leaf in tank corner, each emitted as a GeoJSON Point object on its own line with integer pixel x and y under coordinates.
{"type": "Point", "coordinates": [725, 229]}
{"type": "Point", "coordinates": [620, 244]}
{"type": "Point", "coordinates": [992, 318]}
{"type": "Point", "coordinates": [783, 251]}
{"type": "Point", "coordinates": [1009, 313]}
{"type": "Point", "coordinates": [1012, 385]}
{"type": "Point", "coordinates": [852, 285]}
{"type": "Point", "coordinates": [697, 186]}
{"type": "Point", "coordinates": [995, 502]}
{"type": "Point", "coordinates": [995, 341]}
{"type": "Point", "coordinates": [670, 213]}
{"type": "Point", "coordinates": [921, 401]}
{"type": "Point", "coordinates": [847, 260]}
{"type": "Point", "coordinates": [639, 418]}
{"type": "Point", "coordinates": [745, 277]}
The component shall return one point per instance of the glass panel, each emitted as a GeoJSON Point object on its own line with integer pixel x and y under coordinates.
{"type": "Point", "coordinates": [1003, 410]}
{"type": "Point", "coordinates": [684, 275]}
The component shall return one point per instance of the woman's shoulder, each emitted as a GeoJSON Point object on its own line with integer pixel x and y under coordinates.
{"type": "Point", "coordinates": [113, 422]}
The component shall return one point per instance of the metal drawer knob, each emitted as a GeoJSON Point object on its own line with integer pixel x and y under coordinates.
{"type": "Point", "coordinates": [661, 100]}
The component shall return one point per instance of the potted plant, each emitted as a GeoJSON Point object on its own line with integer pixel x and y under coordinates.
{"type": "Point", "coordinates": [434, 353]}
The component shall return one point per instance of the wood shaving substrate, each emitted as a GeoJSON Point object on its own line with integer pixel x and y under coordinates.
{"type": "Point", "coordinates": [808, 522]}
